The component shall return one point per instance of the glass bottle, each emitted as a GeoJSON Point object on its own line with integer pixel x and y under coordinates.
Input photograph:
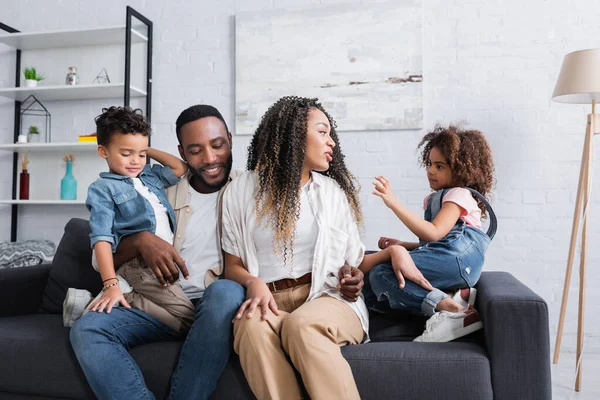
{"type": "Point", "coordinates": [68, 184]}
{"type": "Point", "coordinates": [72, 77]}
{"type": "Point", "coordinates": [24, 185]}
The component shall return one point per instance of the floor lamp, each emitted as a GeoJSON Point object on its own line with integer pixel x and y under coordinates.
{"type": "Point", "coordinates": [579, 83]}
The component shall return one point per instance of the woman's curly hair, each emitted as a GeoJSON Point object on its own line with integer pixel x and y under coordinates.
{"type": "Point", "coordinates": [277, 153]}
{"type": "Point", "coordinates": [468, 154]}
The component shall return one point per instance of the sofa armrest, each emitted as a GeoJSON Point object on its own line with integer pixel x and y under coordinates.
{"type": "Point", "coordinates": [21, 289]}
{"type": "Point", "coordinates": [517, 337]}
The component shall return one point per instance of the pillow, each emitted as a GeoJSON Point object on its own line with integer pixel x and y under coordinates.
{"type": "Point", "coordinates": [71, 267]}
{"type": "Point", "coordinates": [26, 253]}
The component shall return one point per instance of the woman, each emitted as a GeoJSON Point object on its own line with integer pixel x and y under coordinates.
{"type": "Point", "coordinates": [289, 224]}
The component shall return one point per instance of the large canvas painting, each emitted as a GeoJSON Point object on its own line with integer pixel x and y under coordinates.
{"type": "Point", "coordinates": [363, 62]}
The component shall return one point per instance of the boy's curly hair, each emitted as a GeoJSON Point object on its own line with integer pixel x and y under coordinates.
{"type": "Point", "coordinates": [468, 154]}
{"type": "Point", "coordinates": [120, 120]}
{"type": "Point", "coordinates": [277, 153]}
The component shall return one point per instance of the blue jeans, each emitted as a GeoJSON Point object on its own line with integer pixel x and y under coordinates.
{"type": "Point", "coordinates": [101, 342]}
{"type": "Point", "coordinates": [451, 263]}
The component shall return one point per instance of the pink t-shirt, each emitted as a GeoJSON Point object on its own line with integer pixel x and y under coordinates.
{"type": "Point", "coordinates": [471, 213]}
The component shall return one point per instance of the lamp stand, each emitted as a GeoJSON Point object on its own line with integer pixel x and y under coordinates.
{"type": "Point", "coordinates": [583, 193]}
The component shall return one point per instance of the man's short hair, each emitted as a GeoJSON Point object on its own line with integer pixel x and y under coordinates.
{"type": "Point", "coordinates": [195, 113]}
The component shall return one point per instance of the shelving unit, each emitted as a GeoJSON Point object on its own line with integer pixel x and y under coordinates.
{"type": "Point", "coordinates": [127, 35]}
{"type": "Point", "coordinates": [76, 92]}
{"type": "Point", "coordinates": [70, 38]}
{"type": "Point", "coordinates": [43, 202]}
{"type": "Point", "coordinates": [47, 147]}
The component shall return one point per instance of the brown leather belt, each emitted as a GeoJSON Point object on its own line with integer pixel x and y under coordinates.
{"type": "Point", "coordinates": [288, 283]}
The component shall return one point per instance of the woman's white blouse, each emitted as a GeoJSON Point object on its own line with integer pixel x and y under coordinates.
{"type": "Point", "coordinates": [338, 240]}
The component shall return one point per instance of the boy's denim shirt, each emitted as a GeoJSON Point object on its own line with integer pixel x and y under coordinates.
{"type": "Point", "coordinates": [117, 209]}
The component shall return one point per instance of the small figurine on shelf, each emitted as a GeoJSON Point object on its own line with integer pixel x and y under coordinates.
{"type": "Point", "coordinates": [102, 77]}
{"type": "Point", "coordinates": [72, 77]}
{"type": "Point", "coordinates": [68, 184]}
{"type": "Point", "coordinates": [24, 179]}
{"type": "Point", "coordinates": [34, 134]}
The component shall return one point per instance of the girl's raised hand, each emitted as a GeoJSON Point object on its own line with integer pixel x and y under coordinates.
{"type": "Point", "coordinates": [384, 190]}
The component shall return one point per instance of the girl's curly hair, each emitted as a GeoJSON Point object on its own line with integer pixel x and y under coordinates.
{"type": "Point", "coordinates": [277, 153]}
{"type": "Point", "coordinates": [469, 157]}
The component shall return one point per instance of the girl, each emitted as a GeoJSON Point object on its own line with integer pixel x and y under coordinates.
{"type": "Point", "coordinates": [451, 247]}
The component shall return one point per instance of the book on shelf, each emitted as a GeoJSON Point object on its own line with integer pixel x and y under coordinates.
{"type": "Point", "coordinates": [87, 138]}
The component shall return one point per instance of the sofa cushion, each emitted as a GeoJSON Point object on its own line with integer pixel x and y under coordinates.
{"type": "Point", "coordinates": [407, 370]}
{"type": "Point", "coordinates": [71, 267]}
{"type": "Point", "coordinates": [38, 361]}
{"type": "Point", "coordinates": [395, 327]}
{"type": "Point", "coordinates": [38, 358]}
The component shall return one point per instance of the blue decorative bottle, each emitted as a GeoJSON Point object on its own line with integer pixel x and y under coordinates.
{"type": "Point", "coordinates": [68, 184]}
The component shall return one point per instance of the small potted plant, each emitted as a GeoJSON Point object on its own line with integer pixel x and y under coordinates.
{"type": "Point", "coordinates": [34, 134]}
{"type": "Point", "coordinates": [32, 77]}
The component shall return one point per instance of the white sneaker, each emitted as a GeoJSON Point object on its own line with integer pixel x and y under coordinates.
{"type": "Point", "coordinates": [74, 305]}
{"type": "Point", "coordinates": [465, 297]}
{"type": "Point", "coordinates": [445, 326]}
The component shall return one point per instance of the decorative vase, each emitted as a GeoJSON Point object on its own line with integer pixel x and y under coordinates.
{"type": "Point", "coordinates": [24, 185]}
{"type": "Point", "coordinates": [30, 83]}
{"type": "Point", "coordinates": [68, 184]}
{"type": "Point", "coordinates": [34, 138]}
{"type": "Point", "coordinates": [72, 77]}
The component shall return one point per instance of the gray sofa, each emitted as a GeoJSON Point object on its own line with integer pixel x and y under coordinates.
{"type": "Point", "coordinates": [509, 359]}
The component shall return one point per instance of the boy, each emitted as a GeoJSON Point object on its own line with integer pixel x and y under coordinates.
{"type": "Point", "coordinates": [130, 198]}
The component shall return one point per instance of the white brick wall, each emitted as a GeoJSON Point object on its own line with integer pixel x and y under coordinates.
{"type": "Point", "coordinates": [492, 64]}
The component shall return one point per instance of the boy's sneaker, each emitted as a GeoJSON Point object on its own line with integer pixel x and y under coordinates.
{"type": "Point", "coordinates": [74, 305]}
{"type": "Point", "coordinates": [445, 326]}
{"type": "Point", "coordinates": [465, 297]}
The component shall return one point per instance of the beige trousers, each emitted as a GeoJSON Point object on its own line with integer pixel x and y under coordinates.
{"type": "Point", "coordinates": [311, 335]}
{"type": "Point", "coordinates": [168, 304]}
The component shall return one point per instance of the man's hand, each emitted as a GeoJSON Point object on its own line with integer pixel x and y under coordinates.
{"type": "Point", "coordinates": [351, 282]}
{"type": "Point", "coordinates": [161, 257]}
{"type": "Point", "coordinates": [257, 295]}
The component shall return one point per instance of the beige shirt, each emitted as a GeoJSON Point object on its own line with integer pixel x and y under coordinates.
{"type": "Point", "coordinates": [338, 239]}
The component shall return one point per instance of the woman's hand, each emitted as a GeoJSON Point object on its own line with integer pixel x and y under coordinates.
{"type": "Point", "coordinates": [257, 295]}
{"type": "Point", "coordinates": [385, 242]}
{"type": "Point", "coordinates": [383, 190]}
{"type": "Point", "coordinates": [404, 267]}
{"type": "Point", "coordinates": [110, 297]}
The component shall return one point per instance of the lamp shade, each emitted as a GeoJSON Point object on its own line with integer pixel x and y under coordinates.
{"type": "Point", "coordinates": [579, 79]}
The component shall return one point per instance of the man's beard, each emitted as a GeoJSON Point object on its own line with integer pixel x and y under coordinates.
{"type": "Point", "coordinates": [198, 175]}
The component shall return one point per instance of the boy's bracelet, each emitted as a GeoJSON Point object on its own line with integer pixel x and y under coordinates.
{"type": "Point", "coordinates": [109, 279]}
{"type": "Point", "coordinates": [109, 286]}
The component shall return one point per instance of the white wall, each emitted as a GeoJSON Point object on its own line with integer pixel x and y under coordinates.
{"type": "Point", "coordinates": [490, 63]}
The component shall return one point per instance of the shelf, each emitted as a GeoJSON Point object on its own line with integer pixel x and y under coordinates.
{"type": "Point", "coordinates": [50, 147]}
{"type": "Point", "coordinates": [43, 202]}
{"type": "Point", "coordinates": [75, 92]}
{"type": "Point", "coordinates": [70, 38]}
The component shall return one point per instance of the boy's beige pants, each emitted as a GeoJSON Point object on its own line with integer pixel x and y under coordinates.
{"type": "Point", "coordinates": [168, 304]}
{"type": "Point", "coordinates": [311, 335]}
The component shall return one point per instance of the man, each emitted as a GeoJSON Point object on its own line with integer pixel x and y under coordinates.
{"type": "Point", "coordinates": [101, 341]}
